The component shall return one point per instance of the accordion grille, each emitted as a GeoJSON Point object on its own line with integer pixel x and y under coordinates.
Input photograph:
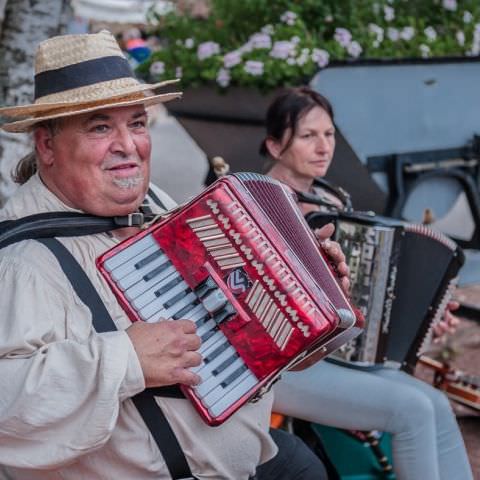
{"type": "Point", "coordinates": [274, 201]}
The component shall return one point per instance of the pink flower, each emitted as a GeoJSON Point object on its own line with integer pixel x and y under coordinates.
{"type": "Point", "coordinates": [254, 67]}
{"type": "Point", "coordinates": [207, 50]}
{"type": "Point", "coordinates": [282, 49]}
{"type": "Point", "coordinates": [231, 59]}
{"type": "Point", "coordinates": [342, 36]}
{"type": "Point", "coordinates": [223, 77]}
{"type": "Point", "coordinates": [289, 17]}
{"type": "Point", "coordinates": [320, 57]}
{"type": "Point", "coordinates": [260, 40]}
{"type": "Point", "coordinates": [354, 49]}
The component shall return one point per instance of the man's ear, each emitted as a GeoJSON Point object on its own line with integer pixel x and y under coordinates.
{"type": "Point", "coordinates": [274, 147]}
{"type": "Point", "coordinates": [44, 146]}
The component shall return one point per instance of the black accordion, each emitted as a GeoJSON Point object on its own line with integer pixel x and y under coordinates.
{"type": "Point", "coordinates": [402, 278]}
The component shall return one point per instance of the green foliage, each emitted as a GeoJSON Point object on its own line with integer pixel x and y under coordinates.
{"type": "Point", "coordinates": [238, 44]}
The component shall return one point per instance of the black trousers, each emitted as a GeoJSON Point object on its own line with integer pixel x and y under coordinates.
{"type": "Point", "coordinates": [294, 460]}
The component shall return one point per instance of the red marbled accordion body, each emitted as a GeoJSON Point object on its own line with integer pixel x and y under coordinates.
{"type": "Point", "coordinates": [246, 234]}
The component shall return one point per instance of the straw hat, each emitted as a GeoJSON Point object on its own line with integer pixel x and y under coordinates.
{"type": "Point", "coordinates": [76, 74]}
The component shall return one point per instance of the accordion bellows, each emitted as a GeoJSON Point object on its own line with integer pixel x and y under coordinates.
{"type": "Point", "coordinates": [240, 261]}
{"type": "Point", "coordinates": [402, 277]}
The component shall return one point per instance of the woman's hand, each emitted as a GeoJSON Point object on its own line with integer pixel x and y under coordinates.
{"type": "Point", "coordinates": [335, 254]}
{"type": "Point", "coordinates": [448, 324]}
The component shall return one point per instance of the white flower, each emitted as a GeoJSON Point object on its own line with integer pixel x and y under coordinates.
{"type": "Point", "coordinates": [254, 67]}
{"type": "Point", "coordinates": [291, 61]}
{"type": "Point", "coordinates": [157, 68]}
{"type": "Point", "coordinates": [389, 13]}
{"type": "Point", "coordinates": [288, 17]}
{"type": "Point", "coordinates": [231, 59]}
{"type": "Point", "coordinates": [328, 19]}
{"type": "Point", "coordinates": [223, 77]}
{"type": "Point", "coordinates": [342, 36]}
{"type": "Point", "coordinates": [245, 48]}
{"type": "Point", "coordinates": [378, 32]}
{"type": "Point", "coordinates": [302, 60]}
{"type": "Point", "coordinates": [260, 40]}
{"type": "Point", "coordinates": [295, 39]}
{"type": "Point", "coordinates": [407, 33]}
{"type": "Point", "coordinates": [267, 29]}
{"type": "Point", "coordinates": [179, 72]}
{"type": "Point", "coordinates": [320, 57]}
{"type": "Point", "coordinates": [189, 43]}
{"type": "Point", "coordinates": [467, 17]}
{"type": "Point", "coordinates": [424, 50]}
{"type": "Point", "coordinates": [207, 49]}
{"type": "Point", "coordinates": [430, 33]}
{"type": "Point", "coordinates": [393, 34]}
{"type": "Point", "coordinates": [475, 50]}
{"type": "Point", "coordinates": [354, 49]}
{"type": "Point", "coordinates": [282, 49]}
{"type": "Point", "coordinates": [450, 5]}
{"type": "Point", "coordinates": [460, 38]}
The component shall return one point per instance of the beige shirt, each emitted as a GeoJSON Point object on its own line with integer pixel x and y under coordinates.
{"type": "Point", "coordinates": [65, 408]}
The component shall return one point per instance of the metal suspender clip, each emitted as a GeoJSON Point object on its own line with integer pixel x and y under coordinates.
{"type": "Point", "coordinates": [135, 219]}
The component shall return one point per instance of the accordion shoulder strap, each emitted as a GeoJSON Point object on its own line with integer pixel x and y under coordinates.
{"type": "Point", "coordinates": [145, 402]}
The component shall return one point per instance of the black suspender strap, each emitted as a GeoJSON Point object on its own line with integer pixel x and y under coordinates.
{"type": "Point", "coordinates": [145, 401]}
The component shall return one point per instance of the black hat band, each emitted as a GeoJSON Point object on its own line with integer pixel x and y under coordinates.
{"type": "Point", "coordinates": [81, 74]}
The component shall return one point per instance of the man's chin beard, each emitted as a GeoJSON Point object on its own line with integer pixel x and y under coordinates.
{"type": "Point", "coordinates": [128, 182]}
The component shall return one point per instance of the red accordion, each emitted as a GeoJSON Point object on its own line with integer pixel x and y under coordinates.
{"type": "Point", "coordinates": [241, 262]}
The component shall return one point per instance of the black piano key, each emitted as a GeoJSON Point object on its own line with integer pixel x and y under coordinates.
{"type": "Point", "coordinates": [202, 320]}
{"type": "Point", "coordinates": [224, 364]}
{"type": "Point", "coordinates": [204, 287]}
{"type": "Point", "coordinates": [148, 259]}
{"type": "Point", "coordinates": [156, 271]}
{"type": "Point", "coordinates": [226, 312]}
{"type": "Point", "coordinates": [168, 286]}
{"type": "Point", "coordinates": [216, 352]}
{"type": "Point", "coordinates": [231, 378]}
{"type": "Point", "coordinates": [208, 334]}
{"type": "Point", "coordinates": [177, 298]}
{"type": "Point", "coordinates": [182, 312]}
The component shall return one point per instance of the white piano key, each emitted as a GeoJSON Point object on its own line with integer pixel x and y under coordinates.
{"type": "Point", "coordinates": [207, 347]}
{"type": "Point", "coordinates": [188, 299]}
{"type": "Point", "coordinates": [207, 326]}
{"type": "Point", "coordinates": [129, 266]}
{"type": "Point", "coordinates": [248, 381]}
{"type": "Point", "coordinates": [157, 304]}
{"type": "Point", "coordinates": [219, 391]}
{"type": "Point", "coordinates": [214, 380]}
{"type": "Point", "coordinates": [138, 275]}
{"type": "Point", "coordinates": [143, 292]}
{"type": "Point", "coordinates": [206, 371]}
{"type": "Point", "coordinates": [129, 252]}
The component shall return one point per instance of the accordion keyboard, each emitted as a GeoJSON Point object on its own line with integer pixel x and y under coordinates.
{"type": "Point", "coordinates": [156, 290]}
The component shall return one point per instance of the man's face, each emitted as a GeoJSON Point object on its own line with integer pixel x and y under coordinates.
{"type": "Point", "coordinates": [98, 162]}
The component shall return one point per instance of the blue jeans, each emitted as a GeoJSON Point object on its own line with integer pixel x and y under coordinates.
{"type": "Point", "coordinates": [426, 440]}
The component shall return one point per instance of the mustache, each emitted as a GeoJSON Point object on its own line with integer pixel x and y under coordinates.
{"type": "Point", "coordinates": [116, 161]}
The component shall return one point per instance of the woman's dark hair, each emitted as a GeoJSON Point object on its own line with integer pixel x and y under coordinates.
{"type": "Point", "coordinates": [287, 109]}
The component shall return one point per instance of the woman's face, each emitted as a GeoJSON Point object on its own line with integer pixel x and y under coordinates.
{"type": "Point", "coordinates": [311, 151]}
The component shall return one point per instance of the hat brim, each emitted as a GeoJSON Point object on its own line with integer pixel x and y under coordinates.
{"type": "Point", "coordinates": [78, 109]}
{"type": "Point", "coordinates": [34, 108]}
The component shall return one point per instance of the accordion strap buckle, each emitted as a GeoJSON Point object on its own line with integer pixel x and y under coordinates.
{"type": "Point", "coordinates": [135, 219]}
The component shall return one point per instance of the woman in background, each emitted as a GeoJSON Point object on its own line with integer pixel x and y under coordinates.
{"type": "Point", "coordinates": [426, 440]}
